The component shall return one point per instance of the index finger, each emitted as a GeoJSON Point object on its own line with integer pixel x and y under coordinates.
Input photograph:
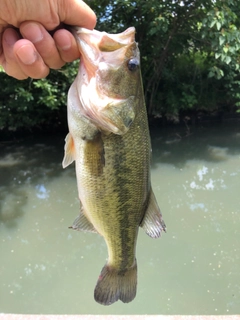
{"type": "Point", "coordinates": [77, 13]}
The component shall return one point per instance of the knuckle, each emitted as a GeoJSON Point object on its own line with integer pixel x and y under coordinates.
{"type": "Point", "coordinates": [17, 75]}
{"type": "Point", "coordinates": [40, 74]}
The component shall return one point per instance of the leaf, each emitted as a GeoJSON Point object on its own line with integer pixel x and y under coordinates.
{"type": "Point", "coordinates": [225, 49]}
{"type": "Point", "coordinates": [221, 72]}
{"type": "Point", "coordinates": [221, 40]}
{"type": "Point", "coordinates": [211, 74]}
{"type": "Point", "coordinates": [218, 24]}
{"type": "Point", "coordinates": [228, 59]}
{"type": "Point", "coordinates": [212, 23]}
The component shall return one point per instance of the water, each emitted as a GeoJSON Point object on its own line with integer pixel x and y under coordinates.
{"type": "Point", "coordinates": [193, 269]}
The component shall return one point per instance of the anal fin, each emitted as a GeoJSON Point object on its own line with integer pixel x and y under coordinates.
{"type": "Point", "coordinates": [152, 222]}
{"type": "Point", "coordinates": [81, 223]}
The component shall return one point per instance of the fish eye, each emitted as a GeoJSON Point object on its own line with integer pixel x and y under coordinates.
{"type": "Point", "coordinates": [133, 64]}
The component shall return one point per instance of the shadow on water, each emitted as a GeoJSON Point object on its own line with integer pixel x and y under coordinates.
{"type": "Point", "coordinates": [194, 269]}
{"type": "Point", "coordinates": [179, 145]}
{"type": "Point", "coordinates": [30, 163]}
{"type": "Point", "coordinates": [35, 161]}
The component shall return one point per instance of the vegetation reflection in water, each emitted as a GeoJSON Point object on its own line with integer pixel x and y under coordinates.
{"type": "Point", "coordinates": [193, 269]}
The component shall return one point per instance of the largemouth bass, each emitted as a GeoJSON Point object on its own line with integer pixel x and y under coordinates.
{"type": "Point", "coordinates": [109, 141]}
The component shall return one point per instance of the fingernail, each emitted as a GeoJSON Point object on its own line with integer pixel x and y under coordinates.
{"type": "Point", "coordinates": [66, 47]}
{"type": "Point", "coordinates": [9, 38]}
{"type": "Point", "coordinates": [64, 43]}
{"type": "Point", "coordinates": [32, 32]}
{"type": "Point", "coordinates": [27, 55]}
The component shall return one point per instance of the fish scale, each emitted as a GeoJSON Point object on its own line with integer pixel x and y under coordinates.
{"type": "Point", "coordinates": [110, 143]}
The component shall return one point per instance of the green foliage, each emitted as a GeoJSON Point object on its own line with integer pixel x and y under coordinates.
{"type": "Point", "coordinates": [189, 53]}
{"type": "Point", "coordinates": [35, 103]}
{"type": "Point", "coordinates": [189, 49]}
{"type": "Point", "coordinates": [224, 33]}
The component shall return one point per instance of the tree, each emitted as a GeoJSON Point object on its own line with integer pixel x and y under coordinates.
{"type": "Point", "coordinates": [32, 104]}
{"type": "Point", "coordinates": [189, 54]}
{"type": "Point", "coordinates": [186, 46]}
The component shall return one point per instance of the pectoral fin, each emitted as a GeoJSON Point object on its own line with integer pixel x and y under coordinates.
{"type": "Point", "coordinates": [69, 155]}
{"type": "Point", "coordinates": [81, 223]}
{"type": "Point", "coordinates": [152, 222]}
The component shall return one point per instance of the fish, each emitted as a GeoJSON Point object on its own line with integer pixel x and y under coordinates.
{"type": "Point", "coordinates": [110, 143]}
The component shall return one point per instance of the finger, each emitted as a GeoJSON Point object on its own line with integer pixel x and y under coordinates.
{"type": "Point", "coordinates": [66, 45]}
{"type": "Point", "coordinates": [8, 59]}
{"type": "Point", "coordinates": [1, 48]}
{"type": "Point", "coordinates": [76, 13]}
{"type": "Point", "coordinates": [29, 60]}
{"type": "Point", "coordinates": [43, 42]}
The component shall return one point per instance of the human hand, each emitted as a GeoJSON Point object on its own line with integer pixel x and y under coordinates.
{"type": "Point", "coordinates": [27, 49]}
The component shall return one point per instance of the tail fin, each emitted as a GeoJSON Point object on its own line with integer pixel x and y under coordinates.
{"type": "Point", "coordinates": [114, 284]}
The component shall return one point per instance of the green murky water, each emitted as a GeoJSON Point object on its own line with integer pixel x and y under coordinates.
{"type": "Point", "coordinates": [193, 269]}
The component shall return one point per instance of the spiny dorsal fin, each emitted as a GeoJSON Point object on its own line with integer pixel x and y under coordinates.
{"type": "Point", "coordinates": [69, 151]}
{"type": "Point", "coordinates": [152, 222]}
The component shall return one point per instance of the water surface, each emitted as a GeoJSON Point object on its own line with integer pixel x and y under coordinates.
{"type": "Point", "coordinates": [192, 269]}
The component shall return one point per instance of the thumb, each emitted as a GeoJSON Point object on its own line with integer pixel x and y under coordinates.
{"type": "Point", "coordinates": [76, 13]}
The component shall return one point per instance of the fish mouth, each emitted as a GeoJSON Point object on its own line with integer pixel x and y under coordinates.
{"type": "Point", "coordinates": [102, 56]}
{"type": "Point", "coordinates": [96, 47]}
